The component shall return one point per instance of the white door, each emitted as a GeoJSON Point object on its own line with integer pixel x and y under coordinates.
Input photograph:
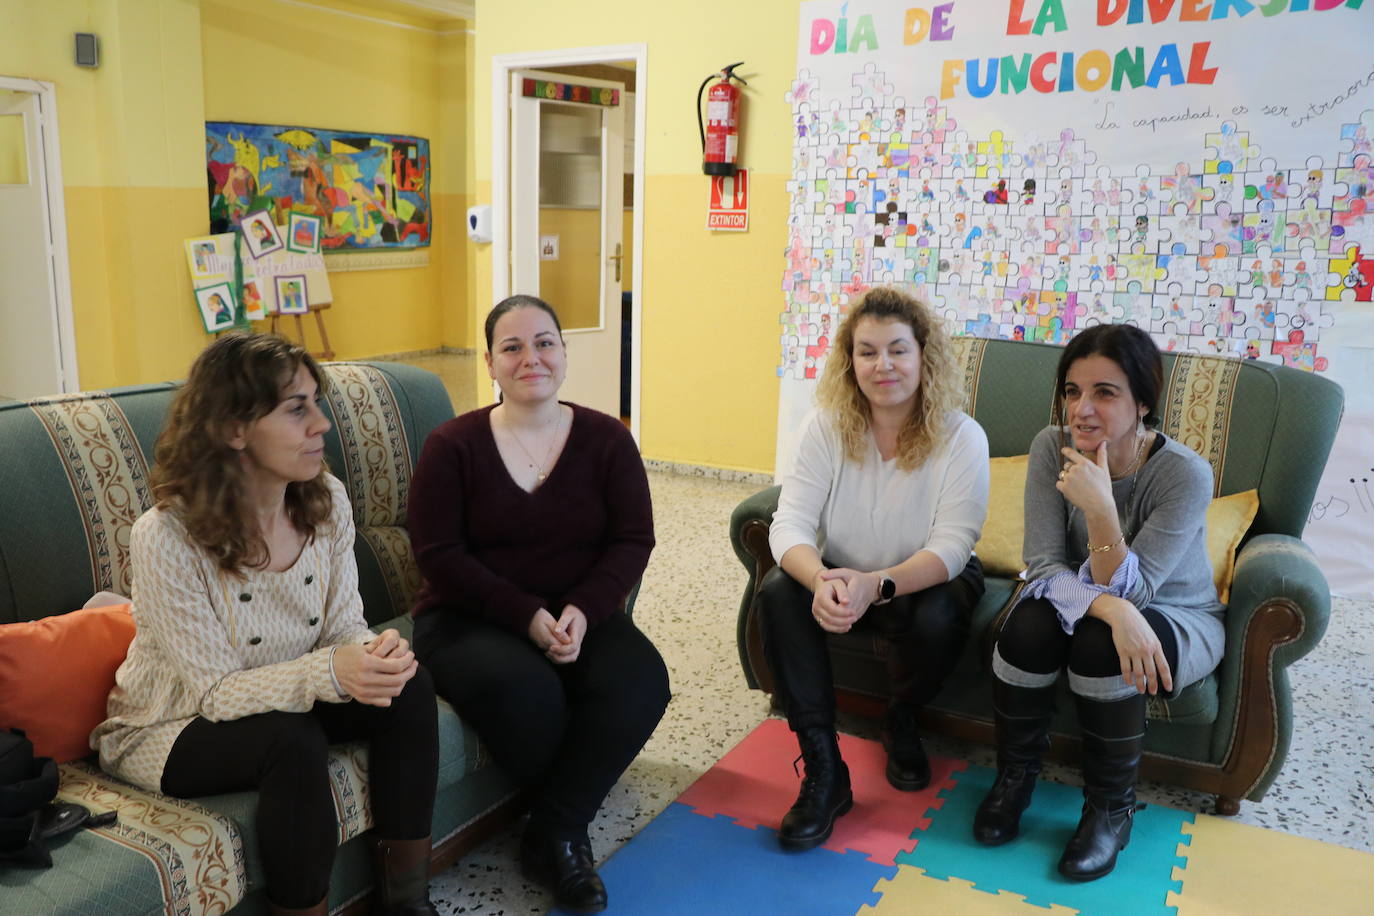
{"type": "Point", "coordinates": [30, 351]}
{"type": "Point", "coordinates": [567, 222]}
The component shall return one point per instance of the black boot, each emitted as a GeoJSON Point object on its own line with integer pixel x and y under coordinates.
{"type": "Point", "coordinates": [401, 869]}
{"type": "Point", "coordinates": [565, 867]}
{"type": "Point", "coordinates": [1113, 737]}
{"type": "Point", "coordinates": [1023, 735]}
{"type": "Point", "coordinates": [825, 793]}
{"type": "Point", "coordinates": [908, 767]}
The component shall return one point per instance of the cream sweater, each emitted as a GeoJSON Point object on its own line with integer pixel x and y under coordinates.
{"type": "Point", "coordinates": [221, 647]}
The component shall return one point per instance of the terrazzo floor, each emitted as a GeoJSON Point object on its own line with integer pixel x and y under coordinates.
{"type": "Point", "coordinates": [689, 604]}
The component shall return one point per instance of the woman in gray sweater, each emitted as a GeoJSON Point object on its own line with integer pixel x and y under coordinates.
{"type": "Point", "coordinates": [1119, 591]}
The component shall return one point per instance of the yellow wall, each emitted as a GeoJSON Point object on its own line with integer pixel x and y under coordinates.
{"type": "Point", "coordinates": [277, 63]}
{"type": "Point", "coordinates": [131, 139]}
{"type": "Point", "coordinates": [710, 301]}
{"type": "Point", "coordinates": [133, 156]}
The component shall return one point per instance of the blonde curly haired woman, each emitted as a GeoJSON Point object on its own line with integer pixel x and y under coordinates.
{"type": "Point", "coordinates": [874, 531]}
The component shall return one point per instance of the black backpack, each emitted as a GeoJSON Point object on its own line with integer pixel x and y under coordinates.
{"type": "Point", "coordinates": [28, 815]}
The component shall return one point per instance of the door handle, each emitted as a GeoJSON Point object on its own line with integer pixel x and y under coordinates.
{"type": "Point", "coordinates": [617, 257]}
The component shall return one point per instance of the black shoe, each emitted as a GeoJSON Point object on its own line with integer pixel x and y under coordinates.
{"type": "Point", "coordinates": [1102, 833]}
{"type": "Point", "coordinates": [566, 868]}
{"type": "Point", "coordinates": [1113, 738]}
{"type": "Point", "coordinates": [1023, 734]}
{"type": "Point", "coordinates": [825, 792]}
{"type": "Point", "coordinates": [908, 767]}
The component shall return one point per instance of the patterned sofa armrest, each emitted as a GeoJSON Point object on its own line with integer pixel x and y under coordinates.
{"type": "Point", "coordinates": [749, 536]}
{"type": "Point", "coordinates": [1280, 606]}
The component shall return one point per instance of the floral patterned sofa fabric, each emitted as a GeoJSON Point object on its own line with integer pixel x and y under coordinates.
{"type": "Point", "coordinates": [74, 476]}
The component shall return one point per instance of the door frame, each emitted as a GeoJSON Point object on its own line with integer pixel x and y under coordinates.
{"type": "Point", "coordinates": [501, 67]}
{"type": "Point", "coordinates": [50, 173]}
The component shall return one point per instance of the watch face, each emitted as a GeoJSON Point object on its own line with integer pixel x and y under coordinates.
{"type": "Point", "coordinates": [887, 589]}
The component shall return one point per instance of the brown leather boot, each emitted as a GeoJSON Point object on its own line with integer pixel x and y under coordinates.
{"type": "Point", "coordinates": [401, 871]}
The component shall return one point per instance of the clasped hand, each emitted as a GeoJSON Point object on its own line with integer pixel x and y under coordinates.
{"type": "Point", "coordinates": [840, 596]}
{"type": "Point", "coordinates": [374, 672]}
{"type": "Point", "coordinates": [1087, 482]}
{"type": "Point", "coordinates": [560, 640]}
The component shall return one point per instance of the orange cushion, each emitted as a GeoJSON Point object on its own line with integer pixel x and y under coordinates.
{"type": "Point", "coordinates": [56, 673]}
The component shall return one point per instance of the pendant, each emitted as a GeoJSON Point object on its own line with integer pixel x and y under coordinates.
{"type": "Point", "coordinates": [539, 477]}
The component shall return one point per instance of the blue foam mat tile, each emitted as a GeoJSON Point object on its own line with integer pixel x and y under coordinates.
{"type": "Point", "coordinates": [1028, 865]}
{"type": "Point", "coordinates": [687, 863]}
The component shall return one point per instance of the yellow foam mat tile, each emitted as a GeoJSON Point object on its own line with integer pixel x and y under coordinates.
{"type": "Point", "coordinates": [913, 891]}
{"type": "Point", "coordinates": [1237, 868]}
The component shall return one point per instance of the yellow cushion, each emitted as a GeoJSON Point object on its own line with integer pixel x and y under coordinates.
{"type": "Point", "coordinates": [1228, 518]}
{"type": "Point", "coordinates": [999, 549]}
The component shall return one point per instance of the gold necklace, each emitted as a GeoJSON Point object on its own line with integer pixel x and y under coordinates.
{"type": "Point", "coordinates": [1135, 460]}
{"type": "Point", "coordinates": [539, 475]}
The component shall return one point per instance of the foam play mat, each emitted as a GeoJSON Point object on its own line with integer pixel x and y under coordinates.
{"type": "Point", "coordinates": [714, 851]}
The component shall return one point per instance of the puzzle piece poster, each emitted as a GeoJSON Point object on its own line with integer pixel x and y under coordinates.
{"type": "Point", "coordinates": [1203, 170]}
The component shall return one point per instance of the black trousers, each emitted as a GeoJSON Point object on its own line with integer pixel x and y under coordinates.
{"type": "Point", "coordinates": [565, 733]}
{"type": "Point", "coordinates": [284, 755]}
{"type": "Point", "coordinates": [925, 632]}
{"type": "Point", "coordinates": [1033, 640]}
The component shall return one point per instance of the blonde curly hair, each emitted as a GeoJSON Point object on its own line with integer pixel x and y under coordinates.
{"type": "Point", "coordinates": [939, 391]}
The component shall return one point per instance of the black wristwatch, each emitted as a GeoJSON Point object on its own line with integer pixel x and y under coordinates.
{"type": "Point", "coordinates": [887, 590]}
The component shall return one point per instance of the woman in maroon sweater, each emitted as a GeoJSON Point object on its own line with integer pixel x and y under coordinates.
{"type": "Point", "coordinates": [531, 522]}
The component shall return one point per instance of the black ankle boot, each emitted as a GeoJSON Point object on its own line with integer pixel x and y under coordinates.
{"type": "Point", "coordinates": [1023, 735]}
{"type": "Point", "coordinates": [825, 792]}
{"type": "Point", "coordinates": [908, 767]}
{"type": "Point", "coordinates": [566, 868]}
{"type": "Point", "coordinates": [1113, 737]}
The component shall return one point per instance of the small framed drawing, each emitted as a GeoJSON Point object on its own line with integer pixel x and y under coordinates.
{"type": "Point", "coordinates": [303, 234]}
{"type": "Point", "coordinates": [260, 234]}
{"type": "Point", "coordinates": [202, 257]}
{"type": "Point", "coordinates": [216, 307]}
{"type": "Point", "coordinates": [291, 298]}
{"type": "Point", "coordinates": [253, 308]}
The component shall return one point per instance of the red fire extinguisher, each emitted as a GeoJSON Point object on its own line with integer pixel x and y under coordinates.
{"type": "Point", "coordinates": [720, 132]}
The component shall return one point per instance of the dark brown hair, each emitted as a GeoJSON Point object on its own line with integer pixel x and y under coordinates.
{"type": "Point", "coordinates": [1127, 346]}
{"type": "Point", "coordinates": [511, 303]}
{"type": "Point", "coordinates": [237, 379]}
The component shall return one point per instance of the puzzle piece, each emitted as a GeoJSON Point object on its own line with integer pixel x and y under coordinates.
{"type": "Point", "coordinates": [1229, 150]}
{"type": "Point", "coordinates": [1355, 272]}
{"type": "Point", "coordinates": [1143, 874]}
{"type": "Point", "coordinates": [754, 784]}
{"type": "Point", "coordinates": [913, 891]}
{"type": "Point", "coordinates": [733, 870]}
{"type": "Point", "coordinates": [1231, 868]}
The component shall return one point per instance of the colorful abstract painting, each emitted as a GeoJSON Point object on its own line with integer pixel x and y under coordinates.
{"type": "Point", "coordinates": [368, 190]}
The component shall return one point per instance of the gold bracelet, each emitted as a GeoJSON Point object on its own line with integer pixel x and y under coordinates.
{"type": "Point", "coordinates": [1105, 547]}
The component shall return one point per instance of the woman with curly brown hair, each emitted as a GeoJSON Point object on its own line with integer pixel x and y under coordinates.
{"type": "Point", "coordinates": [251, 654]}
{"type": "Point", "coordinates": [874, 531]}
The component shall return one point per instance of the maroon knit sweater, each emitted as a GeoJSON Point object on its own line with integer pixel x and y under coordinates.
{"type": "Point", "coordinates": [487, 547]}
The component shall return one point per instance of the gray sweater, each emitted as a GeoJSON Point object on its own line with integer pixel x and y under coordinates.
{"type": "Point", "coordinates": [1165, 527]}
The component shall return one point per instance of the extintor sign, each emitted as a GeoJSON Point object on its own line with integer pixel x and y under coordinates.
{"type": "Point", "coordinates": [728, 210]}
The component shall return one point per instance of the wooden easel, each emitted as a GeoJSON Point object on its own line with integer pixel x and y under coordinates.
{"type": "Point", "coordinates": [317, 309]}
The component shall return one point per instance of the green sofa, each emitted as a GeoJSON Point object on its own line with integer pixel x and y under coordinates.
{"type": "Point", "coordinates": [1260, 426]}
{"type": "Point", "coordinates": [73, 478]}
